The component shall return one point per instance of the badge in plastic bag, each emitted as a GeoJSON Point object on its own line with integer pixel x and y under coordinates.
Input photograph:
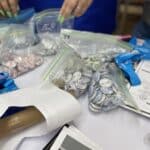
{"type": "Point", "coordinates": [19, 36]}
{"type": "Point", "coordinates": [48, 44]}
{"type": "Point", "coordinates": [68, 72]}
{"type": "Point", "coordinates": [107, 90]}
{"type": "Point", "coordinates": [95, 49]}
{"type": "Point", "coordinates": [46, 21]}
{"type": "Point", "coordinates": [19, 62]}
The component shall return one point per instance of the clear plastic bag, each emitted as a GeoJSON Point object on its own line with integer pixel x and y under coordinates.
{"type": "Point", "coordinates": [108, 89]}
{"type": "Point", "coordinates": [18, 62]}
{"type": "Point", "coordinates": [16, 56]}
{"type": "Point", "coordinates": [96, 49]}
{"type": "Point", "coordinates": [19, 36]}
{"type": "Point", "coordinates": [68, 72]}
{"type": "Point", "coordinates": [3, 30]}
{"type": "Point", "coordinates": [47, 46]}
{"type": "Point", "coordinates": [47, 21]}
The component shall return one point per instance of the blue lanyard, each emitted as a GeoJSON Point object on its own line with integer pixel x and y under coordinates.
{"type": "Point", "coordinates": [126, 61]}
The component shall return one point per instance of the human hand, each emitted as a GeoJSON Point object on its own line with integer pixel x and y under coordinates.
{"type": "Point", "coordinates": [74, 8]}
{"type": "Point", "coordinates": [8, 8]}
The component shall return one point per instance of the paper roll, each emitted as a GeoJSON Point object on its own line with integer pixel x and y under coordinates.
{"type": "Point", "coordinates": [56, 106]}
{"type": "Point", "coordinates": [20, 121]}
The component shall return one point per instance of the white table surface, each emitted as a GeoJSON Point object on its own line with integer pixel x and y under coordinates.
{"type": "Point", "coordinates": [116, 130]}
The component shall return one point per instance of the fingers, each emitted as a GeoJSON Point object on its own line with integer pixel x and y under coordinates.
{"type": "Point", "coordinates": [8, 7]}
{"type": "Point", "coordinates": [74, 7]}
{"type": "Point", "coordinates": [5, 7]}
{"type": "Point", "coordinates": [82, 6]}
{"type": "Point", "coordinates": [2, 13]}
{"type": "Point", "coordinates": [68, 8]}
{"type": "Point", "coordinates": [13, 5]}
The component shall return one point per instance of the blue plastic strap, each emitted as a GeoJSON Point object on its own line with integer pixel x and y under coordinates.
{"type": "Point", "coordinates": [141, 51]}
{"type": "Point", "coordinates": [124, 61]}
{"type": "Point", "coordinates": [23, 16]}
{"type": "Point", "coordinates": [6, 83]}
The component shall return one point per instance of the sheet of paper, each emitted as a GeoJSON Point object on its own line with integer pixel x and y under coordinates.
{"type": "Point", "coordinates": [141, 93]}
{"type": "Point", "coordinates": [57, 106]}
{"type": "Point", "coordinates": [53, 103]}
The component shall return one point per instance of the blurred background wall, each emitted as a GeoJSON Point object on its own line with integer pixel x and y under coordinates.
{"type": "Point", "coordinates": [129, 14]}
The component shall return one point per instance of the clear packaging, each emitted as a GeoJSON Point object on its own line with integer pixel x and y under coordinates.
{"type": "Point", "coordinates": [107, 90]}
{"type": "Point", "coordinates": [3, 30]}
{"type": "Point", "coordinates": [47, 21]}
{"type": "Point", "coordinates": [48, 44]}
{"type": "Point", "coordinates": [68, 72]}
{"type": "Point", "coordinates": [17, 63]}
{"type": "Point", "coordinates": [96, 49]}
{"type": "Point", "coordinates": [19, 36]}
{"type": "Point", "coordinates": [16, 56]}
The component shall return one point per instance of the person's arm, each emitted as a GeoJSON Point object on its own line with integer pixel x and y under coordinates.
{"type": "Point", "coordinates": [74, 7]}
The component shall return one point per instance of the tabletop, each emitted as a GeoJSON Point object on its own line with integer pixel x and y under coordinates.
{"type": "Point", "coordinates": [116, 130]}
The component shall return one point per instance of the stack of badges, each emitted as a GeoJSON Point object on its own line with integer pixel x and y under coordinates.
{"type": "Point", "coordinates": [48, 45]}
{"type": "Point", "coordinates": [17, 65]}
{"type": "Point", "coordinates": [75, 82]}
{"type": "Point", "coordinates": [103, 94]}
{"type": "Point", "coordinates": [95, 61]}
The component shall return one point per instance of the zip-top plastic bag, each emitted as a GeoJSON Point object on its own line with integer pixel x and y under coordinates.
{"type": "Point", "coordinates": [47, 21]}
{"type": "Point", "coordinates": [108, 89]}
{"type": "Point", "coordinates": [19, 36]}
{"type": "Point", "coordinates": [3, 31]}
{"type": "Point", "coordinates": [48, 28]}
{"type": "Point", "coordinates": [68, 71]}
{"type": "Point", "coordinates": [18, 62]}
{"type": "Point", "coordinates": [16, 56]}
{"type": "Point", "coordinates": [23, 16]}
{"type": "Point", "coordinates": [48, 44]}
{"type": "Point", "coordinates": [96, 49]}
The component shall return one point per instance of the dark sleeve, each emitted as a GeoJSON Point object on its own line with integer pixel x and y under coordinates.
{"type": "Point", "coordinates": [24, 4]}
{"type": "Point", "coordinates": [146, 13]}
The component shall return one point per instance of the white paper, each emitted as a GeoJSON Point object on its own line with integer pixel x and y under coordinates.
{"type": "Point", "coordinates": [141, 93]}
{"type": "Point", "coordinates": [11, 142]}
{"type": "Point", "coordinates": [36, 143]}
{"type": "Point", "coordinates": [57, 106]}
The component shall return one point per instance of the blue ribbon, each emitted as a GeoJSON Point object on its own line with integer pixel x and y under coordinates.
{"type": "Point", "coordinates": [23, 16]}
{"type": "Point", "coordinates": [126, 61]}
{"type": "Point", "coordinates": [6, 83]}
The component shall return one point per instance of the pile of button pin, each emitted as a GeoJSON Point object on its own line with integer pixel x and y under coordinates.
{"type": "Point", "coordinates": [17, 65]}
{"type": "Point", "coordinates": [96, 61]}
{"type": "Point", "coordinates": [103, 93]}
{"type": "Point", "coordinates": [75, 82]}
{"type": "Point", "coordinates": [47, 45]}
